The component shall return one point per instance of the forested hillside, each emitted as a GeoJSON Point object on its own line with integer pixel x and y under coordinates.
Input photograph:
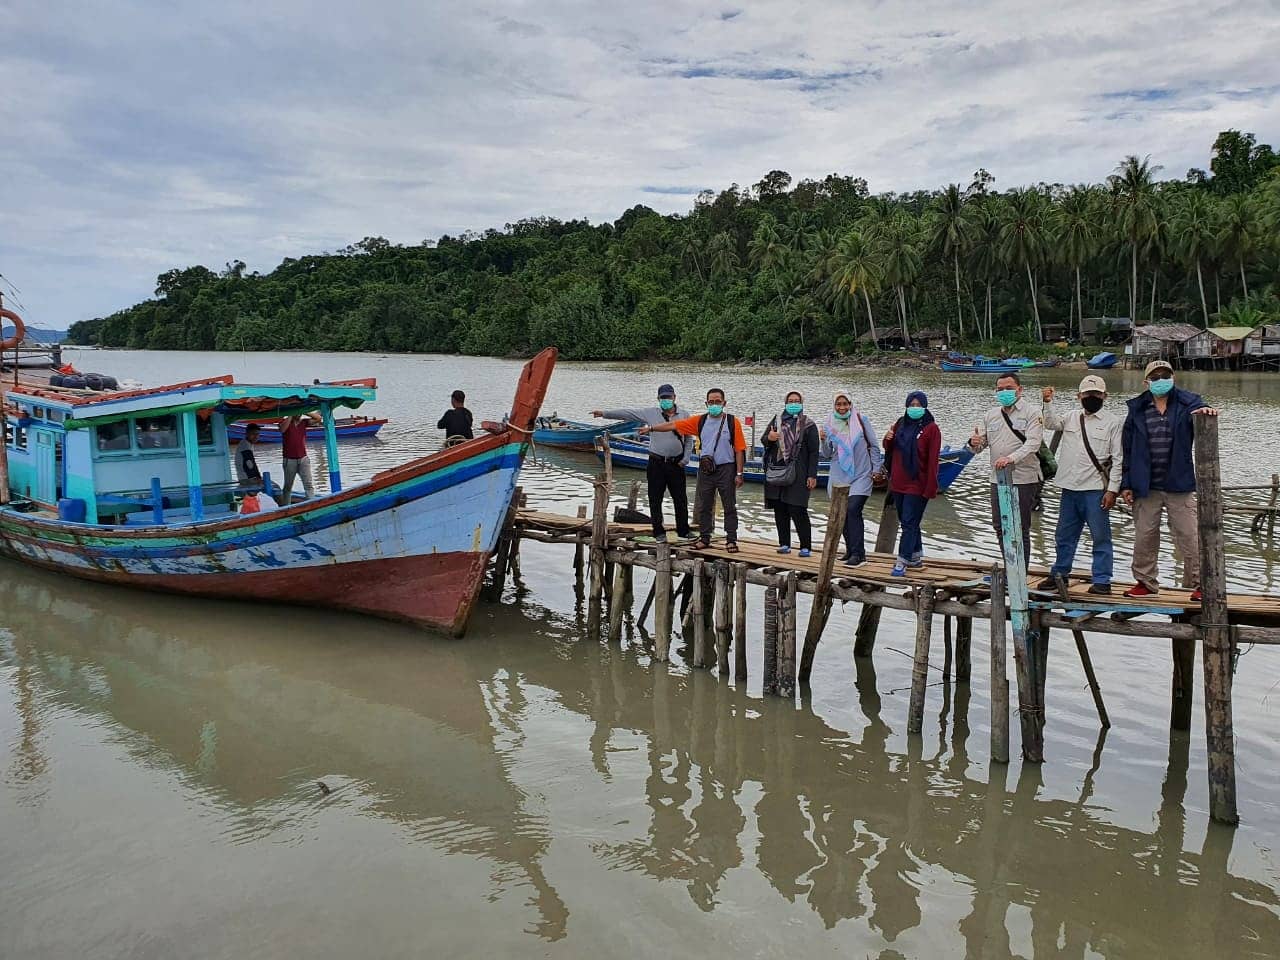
{"type": "Point", "coordinates": [774, 270]}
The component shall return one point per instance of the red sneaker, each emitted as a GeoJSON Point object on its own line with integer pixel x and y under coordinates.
{"type": "Point", "coordinates": [1196, 595]}
{"type": "Point", "coordinates": [1138, 590]}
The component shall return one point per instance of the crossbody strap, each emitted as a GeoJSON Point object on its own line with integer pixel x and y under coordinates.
{"type": "Point", "coordinates": [1088, 448]}
{"type": "Point", "coordinates": [1022, 437]}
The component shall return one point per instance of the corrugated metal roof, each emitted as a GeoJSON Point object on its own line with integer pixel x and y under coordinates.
{"type": "Point", "coordinates": [1176, 332]}
{"type": "Point", "coordinates": [1231, 333]}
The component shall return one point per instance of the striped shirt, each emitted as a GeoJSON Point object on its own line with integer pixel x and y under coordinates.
{"type": "Point", "coordinates": [1160, 442]}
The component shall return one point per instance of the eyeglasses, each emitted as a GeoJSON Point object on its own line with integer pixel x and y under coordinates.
{"type": "Point", "coordinates": [1161, 374]}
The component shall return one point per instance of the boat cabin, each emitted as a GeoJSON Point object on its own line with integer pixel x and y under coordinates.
{"type": "Point", "coordinates": [155, 456]}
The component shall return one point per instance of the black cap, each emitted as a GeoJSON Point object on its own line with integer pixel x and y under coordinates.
{"type": "Point", "coordinates": [666, 390]}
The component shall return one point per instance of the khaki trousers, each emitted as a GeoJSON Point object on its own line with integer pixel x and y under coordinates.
{"type": "Point", "coordinates": [1181, 509]}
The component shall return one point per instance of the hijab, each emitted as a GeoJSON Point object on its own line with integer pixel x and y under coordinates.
{"type": "Point", "coordinates": [841, 434]}
{"type": "Point", "coordinates": [907, 434]}
{"type": "Point", "coordinates": [792, 427]}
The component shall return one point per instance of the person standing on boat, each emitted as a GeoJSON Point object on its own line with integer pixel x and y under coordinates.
{"type": "Point", "coordinates": [912, 446]}
{"type": "Point", "coordinates": [849, 443]}
{"type": "Point", "coordinates": [1013, 431]}
{"type": "Point", "coordinates": [791, 472]}
{"type": "Point", "coordinates": [293, 438]}
{"type": "Point", "coordinates": [667, 456]}
{"type": "Point", "coordinates": [1160, 476]}
{"type": "Point", "coordinates": [246, 458]}
{"type": "Point", "coordinates": [1089, 469]}
{"type": "Point", "coordinates": [722, 453]}
{"type": "Point", "coordinates": [456, 422]}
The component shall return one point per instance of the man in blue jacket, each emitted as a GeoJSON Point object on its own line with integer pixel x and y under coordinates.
{"type": "Point", "coordinates": [1160, 477]}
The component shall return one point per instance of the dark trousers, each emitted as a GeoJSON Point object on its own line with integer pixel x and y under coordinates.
{"type": "Point", "coordinates": [855, 533]}
{"type": "Point", "coordinates": [784, 515]}
{"type": "Point", "coordinates": [1026, 495]}
{"type": "Point", "coordinates": [910, 508]}
{"type": "Point", "coordinates": [668, 476]}
{"type": "Point", "coordinates": [718, 481]}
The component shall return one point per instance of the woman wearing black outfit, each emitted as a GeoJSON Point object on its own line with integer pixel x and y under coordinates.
{"type": "Point", "coordinates": [792, 437]}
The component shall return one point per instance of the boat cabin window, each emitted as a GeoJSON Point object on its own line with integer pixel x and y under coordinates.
{"type": "Point", "coordinates": [37, 413]}
{"type": "Point", "coordinates": [15, 436]}
{"type": "Point", "coordinates": [204, 430]}
{"type": "Point", "coordinates": [113, 436]}
{"type": "Point", "coordinates": [56, 416]}
{"type": "Point", "coordinates": [157, 433]}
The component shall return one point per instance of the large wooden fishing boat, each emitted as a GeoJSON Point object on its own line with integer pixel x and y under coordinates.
{"type": "Point", "coordinates": [135, 488]}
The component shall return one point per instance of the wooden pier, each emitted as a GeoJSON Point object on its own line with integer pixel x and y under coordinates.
{"type": "Point", "coordinates": [703, 594]}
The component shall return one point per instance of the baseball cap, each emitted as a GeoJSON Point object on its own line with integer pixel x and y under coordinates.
{"type": "Point", "coordinates": [1093, 382]}
{"type": "Point", "coordinates": [666, 390]}
{"type": "Point", "coordinates": [1155, 365]}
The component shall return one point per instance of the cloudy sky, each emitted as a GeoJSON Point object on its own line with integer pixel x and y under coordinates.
{"type": "Point", "coordinates": [139, 136]}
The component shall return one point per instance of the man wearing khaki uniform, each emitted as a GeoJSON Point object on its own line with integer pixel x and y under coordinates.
{"type": "Point", "coordinates": [999, 431]}
{"type": "Point", "coordinates": [1160, 477]}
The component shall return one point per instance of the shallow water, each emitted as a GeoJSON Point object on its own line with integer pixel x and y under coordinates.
{"type": "Point", "coordinates": [526, 790]}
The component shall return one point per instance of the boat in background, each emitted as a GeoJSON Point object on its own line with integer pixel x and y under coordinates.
{"type": "Point", "coordinates": [980, 365]}
{"type": "Point", "coordinates": [135, 488]}
{"type": "Point", "coordinates": [554, 431]}
{"type": "Point", "coordinates": [1101, 361]}
{"type": "Point", "coordinates": [346, 428]}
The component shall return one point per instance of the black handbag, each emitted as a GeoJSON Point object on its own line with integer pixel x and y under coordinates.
{"type": "Point", "coordinates": [781, 473]}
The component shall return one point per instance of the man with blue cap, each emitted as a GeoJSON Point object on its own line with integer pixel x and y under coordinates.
{"type": "Point", "coordinates": [667, 455]}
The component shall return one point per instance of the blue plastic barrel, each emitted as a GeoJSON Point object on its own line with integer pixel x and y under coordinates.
{"type": "Point", "coordinates": [71, 509]}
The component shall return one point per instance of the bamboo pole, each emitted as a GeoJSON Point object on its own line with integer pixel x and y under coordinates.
{"type": "Point", "coordinates": [723, 623]}
{"type": "Point", "coordinates": [822, 589]}
{"type": "Point", "coordinates": [787, 666]}
{"type": "Point", "coordinates": [740, 623]}
{"type": "Point", "coordinates": [1218, 650]}
{"type": "Point", "coordinates": [920, 670]}
{"type": "Point", "coordinates": [1030, 709]}
{"type": "Point", "coordinates": [864, 642]}
{"type": "Point", "coordinates": [999, 660]}
{"type": "Point", "coordinates": [769, 669]}
{"type": "Point", "coordinates": [699, 620]}
{"type": "Point", "coordinates": [663, 598]}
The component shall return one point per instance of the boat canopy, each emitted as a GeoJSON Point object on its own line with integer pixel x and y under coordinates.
{"type": "Point", "coordinates": [235, 401]}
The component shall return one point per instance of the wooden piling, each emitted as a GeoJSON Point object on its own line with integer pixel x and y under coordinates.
{"type": "Point", "coordinates": [617, 601]}
{"type": "Point", "coordinates": [1271, 514]}
{"type": "Point", "coordinates": [787, 665]}
{"type": "Point", "coordinates": [822, 589]}
{"type": "Point", "coordinates": [964, 649]}
{"type": "Point", "coordinates": [946, 648]}
{"type": "Point", "coordinates": [628, 571]}
{"type": "Point", "coordinates": [699, 619]}
{"type": "Point", "coordinates": [864, 641]}
{"type": "Point", "coordinates": [507, 540]}
{"type": "Point", "coordinates": [1215, 635]}
{"type": "Point", "coordinates": [577, 556]}
{"type": "Point", "coordinates": [663, 600]}
{"type": "Point", "coordinates": [599, 541]}
{"type": "Point", "coordinates": [769, 667]}
{"type": "Point", "coordinates": [1030, 707]}
{"type": "Point", "coordinates": [740, 623]}
{"type": "Point", "coordinates": [1182, 695]}
{"type": "Point", "coordinates": [920, 670]}
{"type": "Point", "coordinates": [999, 659]}
{"type": "Point", "coordinates": [723, 624]}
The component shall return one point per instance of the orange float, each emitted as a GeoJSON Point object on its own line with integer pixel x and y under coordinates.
{"type": "Point", "coordinates": [19, 329]}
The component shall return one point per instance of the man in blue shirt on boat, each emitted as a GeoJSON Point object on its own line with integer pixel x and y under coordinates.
{"type": "Point", "coordinates": [667, 455]}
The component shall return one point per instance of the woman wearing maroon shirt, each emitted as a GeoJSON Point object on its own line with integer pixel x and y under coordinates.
{"type": "Point", "coordinates": [296, 462]}
{"type": "Point", "coordinates": [911, 450]}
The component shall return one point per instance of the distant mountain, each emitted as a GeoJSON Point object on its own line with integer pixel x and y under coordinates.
{"type": "Point", "coordinates": [38, 334]}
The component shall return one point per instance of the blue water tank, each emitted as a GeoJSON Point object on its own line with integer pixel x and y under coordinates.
{"type": "Point", "coordinates": [71, 510]}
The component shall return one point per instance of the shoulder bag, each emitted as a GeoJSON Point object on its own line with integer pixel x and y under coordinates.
{"type": "Point", "coordinates": [780, 473]}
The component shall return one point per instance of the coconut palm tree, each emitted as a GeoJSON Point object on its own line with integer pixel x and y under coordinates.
{"type": "Point", "coordinates": [722, 256]}
{"type": "Point", "coordinates": [1133, 202]}
{"type": "Point", "coordinates": [898, 243]}
{"type": "Point", "coordinates": [1026, 234]}
{"type": "Point", "coordinates": [1238, 232]}
{"type": "Point", "coordinates": [984, 255]}
{"type": "Point", "coordinates": [857, 270]}
{"type": "Point", "coordinates": [1194, 233]}
{"type": "Point", "coordinates": [1077, 237]}
{"type": "Point", "coordinates": [950, 230]}
{"type": "Point", "coordinates": [766, 249]}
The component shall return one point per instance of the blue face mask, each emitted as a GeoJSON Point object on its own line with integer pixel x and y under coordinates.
{"type": "Point", "coordinates": [1007, 398]}
{"type": "Point", "coordinates": [666, 404]}
{"type": "Point", "coordinates": [915, 413]}
{"type": "Point", "coordinates": [794, 408]}
{"type": "Point", "coordinates": [1160, 388]}
{"type": "Point", "coordinates": [715, 409]}
{"type": "Point", "coordinates": [843, 416]}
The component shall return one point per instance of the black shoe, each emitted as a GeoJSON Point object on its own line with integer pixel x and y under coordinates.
{"type": "Point", "coordinates": [1100, 589]}
{"type": "Point", "coordinates": [1047, 585]}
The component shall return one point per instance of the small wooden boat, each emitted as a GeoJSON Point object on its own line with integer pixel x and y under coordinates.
{"type": "Point", "coordinates": [980, 365]}
{"type": "Point", "coordinates": [411, 544]}
{"type": "Point", "coordinates": [347, 428]}
{"type": "Point", "coordinates": [555, 431]}
{"type": "Point", "coordinates": [1101, 361]}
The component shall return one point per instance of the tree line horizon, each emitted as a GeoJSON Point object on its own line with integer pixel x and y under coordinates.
{"type": "Point", "coordinates": [773, 271]}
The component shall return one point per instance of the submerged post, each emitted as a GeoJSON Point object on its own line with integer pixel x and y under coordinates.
{"type": "Point", "coordinates": [599, 541]}
{"type": "Point", "coordinates": [662, 599]}
{"type": "Point", "coordinates": [1215, 634]}
{"type": "Point", "coordinates": [1030, 707]}
{"type": "Point", "coordinates": [331, 447]}
{"type": "Point", "coordinates": [920, 670]}
{"type": "Point", "coordinates": [723, 623]}
{"type": "Point", "coordinates": [699, 619]}
{"type": "Point", "coordinates": [822, 590]}
{"type": "Point", "coordinates": [869, 618]}
{"type": "Point", "coordinates": [999, 659]}
{"type": "Point", "coordinates": [191, 449]}
{"type": "Point", "coordinates": [787, 661]}
{"type": "Point", "coordinates": [769, 668]}
{"type": "Point", "coordinates": [740, 623]}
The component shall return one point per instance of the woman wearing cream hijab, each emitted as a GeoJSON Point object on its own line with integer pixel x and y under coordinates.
{"type": "Point", "coordinates": [849, 442]}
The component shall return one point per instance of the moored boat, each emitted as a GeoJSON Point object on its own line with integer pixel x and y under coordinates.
{"type": "Point", "coordinates": [135, 488]}
{"type": "Point", "coordinates": [347, 428]}
{"type": "Point", "coordinates": [1101, 361]}
{"type": "Point", "coordinates": [556, 431]}
{"type": "Point", "coordinates": [979, 366]}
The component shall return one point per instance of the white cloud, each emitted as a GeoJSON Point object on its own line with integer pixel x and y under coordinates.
{"type": "Point", "coordinates": [147, 137]}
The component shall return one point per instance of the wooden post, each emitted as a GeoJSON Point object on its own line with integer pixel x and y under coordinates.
{"type": "Point", "coordinates": [1030, 708]}
{"type": "Point", "coordinates": [740, 623]}
{"type": "Point", "coordinates": [822, 589]}
{"type": "Point", "coordinates": [724, 626]}
{"type": "Point", "coordinates": [999, 658]}
{"type": "Point", "coordinates": [628, 571]}
{"type": "Point", "coordinates": [699, 618]}
{"type": "Point", "coordinates": [577, 557]}
{"type": "Point", "coordinates": [787, 666]}
{"type": "Point", "coordinates": [1182, 696]}
{"type": "Point", "coordinates": [964, 645]}
{"type": "Point", "coordinates": [506, 543]}
{"type": "Point", "coordinates": [920, 671]}
{"type": "Point", "coordinates": [648, 602]}
{"type": "Point", "coordinates": [769, 670]}
{"type": "Point", "coordinates": [663, 599]}
{"type": "Point", "coordinates": [1275, 494]}
{"type": "Point", "coordinates": [1086, 661]}
{"type": "Point", "coordinates": [946, 648]}
{"type": "Point", "coordinates": [1215, 636]}
{"type": "Point", "coordinates": [599, 541]}
{"type": "Point", "coordinates": [617, 602]}
{"type": "Point", "coordinates": [864, 642]}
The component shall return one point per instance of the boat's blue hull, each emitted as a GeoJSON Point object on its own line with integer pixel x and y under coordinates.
{"type": "Point", "coordinates": [557, 432]}
{"type": "Point", "coordinates": [1102, 361]}
{"type": "Point", "coordinates": [989, 368]}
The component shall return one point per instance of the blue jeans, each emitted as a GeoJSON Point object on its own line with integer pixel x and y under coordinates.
{"type": "Point", "coordinates": [910, 509]}
{"type": "Point", "coordinates": [1080, 508]}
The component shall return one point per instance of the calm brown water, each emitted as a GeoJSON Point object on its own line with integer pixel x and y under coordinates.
{"type": "Point", "coordinates": [527, 791]}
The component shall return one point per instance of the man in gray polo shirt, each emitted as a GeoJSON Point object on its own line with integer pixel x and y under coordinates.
{"type": "Point", "coordinates": [1013, 431]}
{"type": "Point", "coordinates": [667, 455]}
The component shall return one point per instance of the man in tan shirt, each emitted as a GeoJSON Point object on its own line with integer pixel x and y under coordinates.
{"type": "Point", "coordinates": [1090, 463]}
{"type": "Point", "coordinates": [1013, 431]}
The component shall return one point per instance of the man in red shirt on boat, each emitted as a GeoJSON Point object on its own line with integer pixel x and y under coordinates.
{"type": "Point", "coordinates": [293, 437]}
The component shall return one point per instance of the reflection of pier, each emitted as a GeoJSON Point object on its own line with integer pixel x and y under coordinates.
{"type": "Point", "coordinates": [849, 829]}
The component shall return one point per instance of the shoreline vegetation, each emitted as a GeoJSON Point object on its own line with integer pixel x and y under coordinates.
{"type": "Point", "coordinates": [813, 271]}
